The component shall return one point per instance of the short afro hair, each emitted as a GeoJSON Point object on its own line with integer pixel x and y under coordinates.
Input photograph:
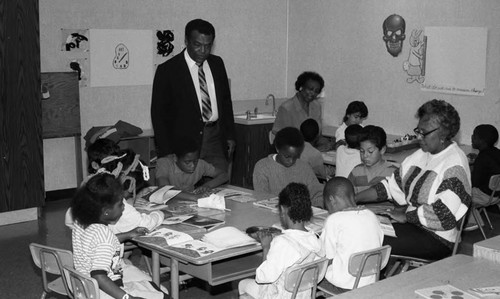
{"type": "Point", "coordinates": [487, 133]}
{"type": "Point", "coordinates": [352, 135]}
{"type": "Point", "coordinates": [309, 129]}
{"type": "Point", "coordinates": [202, 26]}
{"type": "Point", "coordinates": [375, 135]}
{"type": "Point", "coordinates": [288, 136]}
{"type": "Point", "coordinates": [296, 197]}
{"type": "Point", "coordinates": [102, 191]}
{"type": "Point", "coordinates": [183, 146]}
{"type": "Point", "coordinates": [445, 113]}
{"type": "Point", "coordinates": [306, 76]}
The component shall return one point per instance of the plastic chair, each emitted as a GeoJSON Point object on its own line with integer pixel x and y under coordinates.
{"type": "Point", "coordinates": [52, 260]}
{"type": "Point", "coordinates": [365, 263]}
{"type": "Point", "coordinates": [82, 286]}
{"type": "Point", "coordinates": [306, 276]}
{"type": "Point", "coordinates": [494, 185]}
{"type": "Point", "coordinates": [407, 262]}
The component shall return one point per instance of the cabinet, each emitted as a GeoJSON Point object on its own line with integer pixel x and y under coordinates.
{"type": "Point", "coordinates": [252, 144]}
{"type": "Point", "coordinates": [144, 145]}
{"type": "Point", "coordinates": [21, 146]}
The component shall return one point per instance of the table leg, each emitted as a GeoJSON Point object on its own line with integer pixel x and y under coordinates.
{"type": "Point", "coordinates": [155, 260]}
{"type": "Point", "coordinates": [174, 278]}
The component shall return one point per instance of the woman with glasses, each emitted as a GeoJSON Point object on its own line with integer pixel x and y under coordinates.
{"type": "Point", "coordinates": [431, 189]}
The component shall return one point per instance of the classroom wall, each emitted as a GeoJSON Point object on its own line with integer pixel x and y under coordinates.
{"type": "Point", "coordinates": [250, 36]}
{"type": "Point", "coordinates": [266, 45]}
{"type": "Point", "coordinates": [342, 40]}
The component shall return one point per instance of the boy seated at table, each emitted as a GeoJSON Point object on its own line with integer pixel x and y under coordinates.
{"type": "Point", "coordinates": [276, 171]}
{"type": "Point", "coordinates": [348, 155]}
{"type": "Point", "coordinates": [295, 246]}
{"type": "Point", "coordinates": [348, 229]}
{"type": "Point", "coordinates": [310, 131]}
{"type": "Point", "coordinates": [184, 168]}
{"type": "Point", "coordinates": [486, 164]}
{"type": "Point", "coordinates": [104, 155]}
{"type": "Point", "coordinates": [372, 146]}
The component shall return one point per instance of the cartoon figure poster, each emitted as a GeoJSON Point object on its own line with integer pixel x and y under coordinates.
{"type": "Point", "coordinates": [121, 57]}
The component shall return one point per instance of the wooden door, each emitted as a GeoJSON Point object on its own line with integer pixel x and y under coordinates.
{"type": "Point", "coordinates": [21, 147]}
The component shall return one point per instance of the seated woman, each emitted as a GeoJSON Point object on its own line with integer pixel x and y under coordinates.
{"type": "Point", "coordinates": [275, 172]}
{"type": "Point", "coordinates": [433, 184]}
{"type": "Point", "coordinates": [304, 105]}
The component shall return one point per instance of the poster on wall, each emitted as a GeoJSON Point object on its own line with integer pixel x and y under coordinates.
{"type": "Point", "coordinates": [121, 57]}
{"type": "Point", "coordinates": [456, 60]}
{"type": "Point", "coordinates": [74, 40]}
{"type": "Point", "coordinates": [164, 45]}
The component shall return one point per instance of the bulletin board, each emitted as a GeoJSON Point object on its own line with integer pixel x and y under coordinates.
{"type": "Point", "coordinates": [121, 57]}
{"type": "Point", "coordinates": [456, 60]}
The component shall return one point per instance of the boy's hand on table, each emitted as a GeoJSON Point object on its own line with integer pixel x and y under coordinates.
{"type": "Point", "coordinates": [265, 237]}
{"type": "Point", "coordinates": [398, 215]}
{"type": "Point", "coordinates": [205, 191]}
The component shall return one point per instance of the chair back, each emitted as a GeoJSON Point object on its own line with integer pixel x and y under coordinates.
{"type": "Point", "coordinates": [305, 276]}
{"type": "Point", "coordinates": [368, 262]}
{"type": "Point", "coordinates": [494, 185]}
{"type": "Point", "coordinates": [51, 260]}
{"type": "Point", "coordinates": [83, 287]}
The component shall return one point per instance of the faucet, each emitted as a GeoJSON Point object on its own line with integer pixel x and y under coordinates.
{"type": "Point", "coordinates": [271, 97]}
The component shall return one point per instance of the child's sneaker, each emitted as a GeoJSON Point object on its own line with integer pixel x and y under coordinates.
{"type": "Point", "coordinates": [471, 227]}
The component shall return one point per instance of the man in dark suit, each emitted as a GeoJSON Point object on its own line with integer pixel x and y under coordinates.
{"type": "Point", "coordinates": [191, 98]}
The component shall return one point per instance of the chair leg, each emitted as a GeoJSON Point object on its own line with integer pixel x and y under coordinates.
{"type": "Point", "coordinates": [393, 269]}
{"type": "Point", "coordinates": [487, 217]}
{"type": "Point", "coordinates": [476, 215]}
{"type": "Point", "coordinates": [44, 294]}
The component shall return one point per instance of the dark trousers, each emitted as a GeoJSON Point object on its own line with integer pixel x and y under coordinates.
{"type": "Point", "coordinates": [416, 242]}
{"type": "Point", "coordinates": [212, 148]}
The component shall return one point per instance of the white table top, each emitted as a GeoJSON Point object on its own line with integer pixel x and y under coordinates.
{"type": "Point", "coordinates": [461, 271]}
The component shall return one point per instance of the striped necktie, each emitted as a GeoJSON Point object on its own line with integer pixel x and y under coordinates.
{"type": "Point", "coordinates": [206, 106]}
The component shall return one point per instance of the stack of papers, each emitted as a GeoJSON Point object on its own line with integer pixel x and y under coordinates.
{"type": "Point", "coordinates": [228, 237]}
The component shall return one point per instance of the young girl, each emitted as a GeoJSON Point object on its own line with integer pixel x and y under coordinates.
{"type": "Point", "coordinates": [295, 246]}
{"type": "Point", "coordinates": [273, 173]}
{"type": "Point", "coordinates": [355, 113]}
{"type": "Point", "coordinates": [97, 252]}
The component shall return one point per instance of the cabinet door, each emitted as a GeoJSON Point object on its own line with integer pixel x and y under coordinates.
{"type": "Point", "coordinates": [21, 147]}
{"type": "Point", "coordinates": [252, 144]}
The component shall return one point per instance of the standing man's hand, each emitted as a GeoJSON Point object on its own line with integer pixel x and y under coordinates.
{"type": "Point", "coordinates": [231, 144]}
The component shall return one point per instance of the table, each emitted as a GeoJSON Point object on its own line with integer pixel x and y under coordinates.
{"type": "Point", "coordinates": [460, 271]}
{"type": "Point", "coordinates": [226, 265]}
{"type": "Point", "coordinates": [488, 249]}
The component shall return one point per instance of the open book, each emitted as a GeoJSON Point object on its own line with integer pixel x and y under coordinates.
{"type": "Point", "coordinates": [386, 225]}
{"type": "Point", "coordinates": [161, 195]}
{"type": "Point", "coordinates": [272, 204]}
{"type": "Point", "coordinates": [204, 222]}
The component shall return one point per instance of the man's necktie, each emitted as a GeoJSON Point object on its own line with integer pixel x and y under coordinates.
{"type": "Point", "coordinates": [206, 106]}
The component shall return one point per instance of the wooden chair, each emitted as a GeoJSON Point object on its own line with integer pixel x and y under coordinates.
{"type": "Point", "coordinates": [304, 277]}
{"type": "Point", "coordinates": [494, 185]}
{"type": "Point", "coordinates": [52, 260]}
{"type": "Point", "coordinates": [82, 286]}
{"type": "Point", "coordinates": [362, 264]}
{"type": "Point", "coordinates": [403, 263]}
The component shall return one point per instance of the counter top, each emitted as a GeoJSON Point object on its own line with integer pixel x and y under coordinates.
{"type": "Point", "coordinates": [264, 118]}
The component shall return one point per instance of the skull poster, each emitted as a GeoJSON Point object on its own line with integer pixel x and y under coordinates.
{"type": "Point", "coordinates": [394, 27]}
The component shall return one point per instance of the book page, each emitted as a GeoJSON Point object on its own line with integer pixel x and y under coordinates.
{"type": "Point", "coordinates": [165, 237]}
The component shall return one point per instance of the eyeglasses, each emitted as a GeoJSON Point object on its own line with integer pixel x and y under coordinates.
{"type": "Point", "coordinates": [420, 133]}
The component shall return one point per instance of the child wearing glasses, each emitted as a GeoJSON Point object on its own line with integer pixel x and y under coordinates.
{"type": "Point", "coordinates": [295, 246]}
{"type": "Point", "coordinates": [276, 171]}
{"type": "Point", "coordinates": [372, 146]}
{"type": "Point", "coordinates": [355, 113]}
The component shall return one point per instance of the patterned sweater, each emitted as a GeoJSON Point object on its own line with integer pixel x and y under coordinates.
{"type": "Point", "coordinates": [363, 177]}
{"type": "Point", "coordinates": [271, 177]}
{"type": "Point", "coordinates": [436, 188]}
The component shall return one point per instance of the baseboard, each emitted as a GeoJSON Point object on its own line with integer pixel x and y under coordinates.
{"type": "Point", "coordinates": [18, 216]}
{"type": "Point", "coordinates": [59, 194]}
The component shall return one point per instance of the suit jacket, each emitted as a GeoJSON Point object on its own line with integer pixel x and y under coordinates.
{"type": "Point", "coordinates": [175, 110]}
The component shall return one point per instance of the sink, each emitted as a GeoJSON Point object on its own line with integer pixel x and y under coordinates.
{"type": "Point", "coordinates": [260, 118]}
{"type": "Point", "coordinates": [256, 117]}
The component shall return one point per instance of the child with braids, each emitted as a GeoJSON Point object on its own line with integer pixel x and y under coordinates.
{"type": "Point", "coordinates": [97, 251]}
{"type": "Point", "coordinates": [295, 246]}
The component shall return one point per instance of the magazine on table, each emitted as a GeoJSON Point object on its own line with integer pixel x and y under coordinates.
{"type": "Point", "coordinates": [204, 222]}
{"type": "Point", "coordinates": [160, 195]}
{"type": "Point", "coordinates": [236, 195]}
{"type": "Point", "coordinates": [272, 204]}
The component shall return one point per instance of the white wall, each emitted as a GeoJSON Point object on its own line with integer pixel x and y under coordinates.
{"type": "Point", "coordinates": [250, 36]}
{"type": "Point", "coordinates": [342, 40]}
{"type": "Point", "coordinates": [266, 45]}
